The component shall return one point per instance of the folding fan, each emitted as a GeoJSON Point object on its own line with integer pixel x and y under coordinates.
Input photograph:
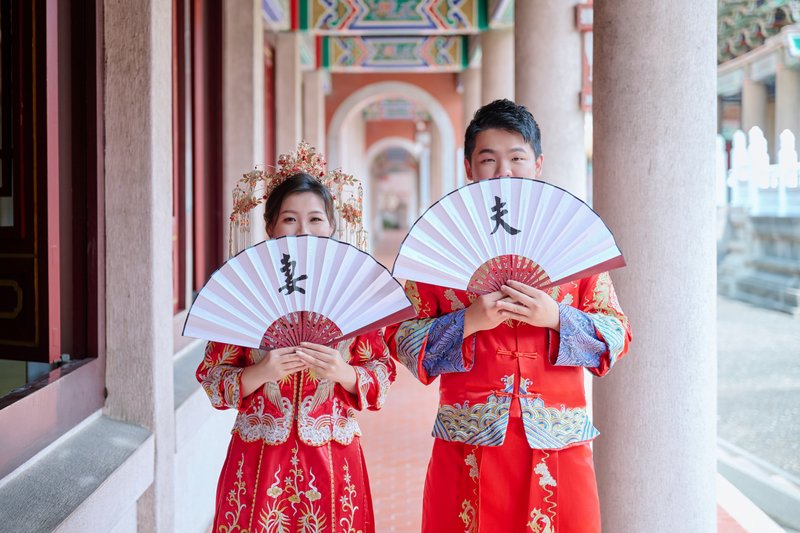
{"type": "Point", "coordinates": [284, 291]}
{"type": "Point", "coordinates": [485, 233]}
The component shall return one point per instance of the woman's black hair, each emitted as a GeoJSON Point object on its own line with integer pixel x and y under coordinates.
{"type": "Point", "coordinates": [294, 184]}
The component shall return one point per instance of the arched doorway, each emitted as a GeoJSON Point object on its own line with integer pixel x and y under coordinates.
{"type": "Point", "coordinates": [347, 141]}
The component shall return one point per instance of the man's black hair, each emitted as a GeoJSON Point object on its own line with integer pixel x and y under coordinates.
{"type": "Point", "coordinates": [503, 115]}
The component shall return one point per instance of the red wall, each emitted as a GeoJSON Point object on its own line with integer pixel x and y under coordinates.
{"type": "Point", "coordinates": [377, 130]}
{"type": "Point", "coordinates": [441, 86]}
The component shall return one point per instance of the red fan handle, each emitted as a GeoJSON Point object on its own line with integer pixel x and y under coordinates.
{"type": "Point", "coordinates": [491, 275]}
{"type": "Point", "coordinates": [297, 327]}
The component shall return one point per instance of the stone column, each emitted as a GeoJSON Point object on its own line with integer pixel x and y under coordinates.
{"type": "Point", "coordinates": [754, 104]}
{"type": "Point", "coordinates": [423, 138]}
{"type": "Point", "coordinates": [436, 168]}
{"type": "Point", "coordinates": [243, 105]}
{"type": "Point", "coordinates": [314, 83]}
{"type": "Point", "coordinates": [288, 93]}
{"type": "Point", "coordinates": [787, 101]}
{"type": "Point", "coordinates": [548, 73]}
{"type": "Point", "coordinates": [471, 81]}
{"type": "Point", "coordinates": [497, 65]}
{"type": "Point", "coordinates": [654, 187]}
{"type": "Point", "coordinates": [138, 196]}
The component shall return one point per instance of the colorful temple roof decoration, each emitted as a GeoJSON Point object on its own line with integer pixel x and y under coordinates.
{"type": "Point", "coordinates": [437, 53]}
{"type": "Point", "coordinates": [395, 109]}
{"type": "Point", "coordinates": [743, 25]}
{"type": "Point", "coordinates": [276, 14]}
{"type": "Point", "coordinates": [390, 17]}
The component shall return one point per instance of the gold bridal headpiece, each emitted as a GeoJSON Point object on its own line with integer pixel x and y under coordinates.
{"type": "Point", "coordinates": [255, 187]}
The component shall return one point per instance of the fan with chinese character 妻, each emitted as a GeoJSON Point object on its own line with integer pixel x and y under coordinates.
{"type": "Point", "coordinates": [485, 233]}
{"type": "Point", "coordinates": [289, 290]}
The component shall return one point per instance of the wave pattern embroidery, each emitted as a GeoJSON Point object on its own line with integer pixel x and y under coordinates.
{"type": "Point", "coordinates": [483, 424]}
{"type": "Point", "coordinates": [553, 428]}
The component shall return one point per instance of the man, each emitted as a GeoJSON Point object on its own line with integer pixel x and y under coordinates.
{"type": "Point", "coordinates": [512, 432]}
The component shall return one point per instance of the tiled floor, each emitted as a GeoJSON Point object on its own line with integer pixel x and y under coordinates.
{"type": "Point", "coordinates": [397, 444]}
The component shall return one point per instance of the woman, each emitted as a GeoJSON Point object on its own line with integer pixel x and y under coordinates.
{"type": "Point", "coordinates": [295, 462]}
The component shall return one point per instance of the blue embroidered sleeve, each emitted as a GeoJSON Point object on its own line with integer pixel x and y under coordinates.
{"type": "Point", "coordinates": [579, 345]}
{"type": "Point", "coordinates": [443, 351]}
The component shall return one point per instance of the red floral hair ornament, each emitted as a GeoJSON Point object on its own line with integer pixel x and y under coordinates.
{"type": "Point", "coordinates": [254, 188]}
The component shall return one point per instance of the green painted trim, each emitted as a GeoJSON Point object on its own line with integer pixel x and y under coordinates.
{"type": "Point", "coordinates": [483, 14]}
{"type": "Point", "coordinates": [464, 51]}
{"type": "Point", "coordinates": [326, 63]}
{"type": "Point", "coordinates": [303, 14]}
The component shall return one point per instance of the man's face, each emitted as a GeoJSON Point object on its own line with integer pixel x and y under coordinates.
{"type": "Point", "coordinates": [501, 153]}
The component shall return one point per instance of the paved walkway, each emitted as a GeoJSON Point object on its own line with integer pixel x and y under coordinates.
{"type": "Point", "coordinates": [397, 441]}
{"type": "Point", "coordinates": [759, 382]}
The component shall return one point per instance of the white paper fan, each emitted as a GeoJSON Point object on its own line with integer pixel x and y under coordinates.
{"type": "Point", "coordinates": [483, 234]}
{"type": "Point", "coordinates": [288, 290]}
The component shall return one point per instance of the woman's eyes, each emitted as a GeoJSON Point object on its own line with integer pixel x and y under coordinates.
{"type": "Point", "coordinates": [289, 220]}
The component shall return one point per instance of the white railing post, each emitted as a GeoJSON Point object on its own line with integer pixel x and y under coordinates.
{"type": "Point", "coordinates": [739, 174]}
{"type": "Point", "coordinates": [759, 167]}
{"type": "Point", "coordinates": [722, 196]}
{"type": "Point", "coordinates": [788, 197]}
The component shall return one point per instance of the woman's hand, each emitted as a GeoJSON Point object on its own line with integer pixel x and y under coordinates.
{"type": "Point", "coordinates": [274, 366]}
{"type": "Point", "coordinates": [529, 305]}
{"type": "Point", "coordinates": [328, 364]}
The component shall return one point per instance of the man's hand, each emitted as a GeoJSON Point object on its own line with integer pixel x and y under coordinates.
{"type": "Point", "coordinates": [328, 364]}
{"type": "Point", "coordinates": [483, 313]}
{"type": "Point", "coordinates": [529, 305]}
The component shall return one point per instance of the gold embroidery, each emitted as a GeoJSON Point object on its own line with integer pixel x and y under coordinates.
{"type": "Point", "coordinates": [310, 518]}
{"type": "Point", "coordinates": [560, 295]}
{"type": "Point", "coordinates": [412, 291]}
{"type": "Point", "coordinates": [455, 303]}
{"type": "Point", "coordinates": [468, 514]}
{"type": "Point", "coordinates": [348, 509]}
{"type": "Point", "coordinates": [554, 292]}
{"type": "Point", "coordinates": [605, 298]}
{"type": "Point", "coordinates": [541, 522]}
{"type": "Point", "coordinates": [363, 351]}
{"type": "Point", "coordinates": [235, 500]}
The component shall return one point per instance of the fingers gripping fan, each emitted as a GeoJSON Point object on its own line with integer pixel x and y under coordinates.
{"type": "Point", "coordinates": [284, 291]}
{"type": "Point", "coordinates": [483, 234]}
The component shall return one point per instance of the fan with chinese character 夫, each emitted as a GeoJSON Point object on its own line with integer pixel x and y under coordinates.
{"type": "Point", "coordinates": [289, 290]}
{"type": "Point", "coordinates": [485, 233]}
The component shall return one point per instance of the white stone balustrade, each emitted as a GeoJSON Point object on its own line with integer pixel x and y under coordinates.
{"type": "Point", "coordinates": [761, 187]}
{"type": "Point", "coordinates": [759, 244]}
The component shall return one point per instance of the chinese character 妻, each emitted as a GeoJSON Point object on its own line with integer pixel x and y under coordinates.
{"type": "Point", "coordinates": [287, 269]}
